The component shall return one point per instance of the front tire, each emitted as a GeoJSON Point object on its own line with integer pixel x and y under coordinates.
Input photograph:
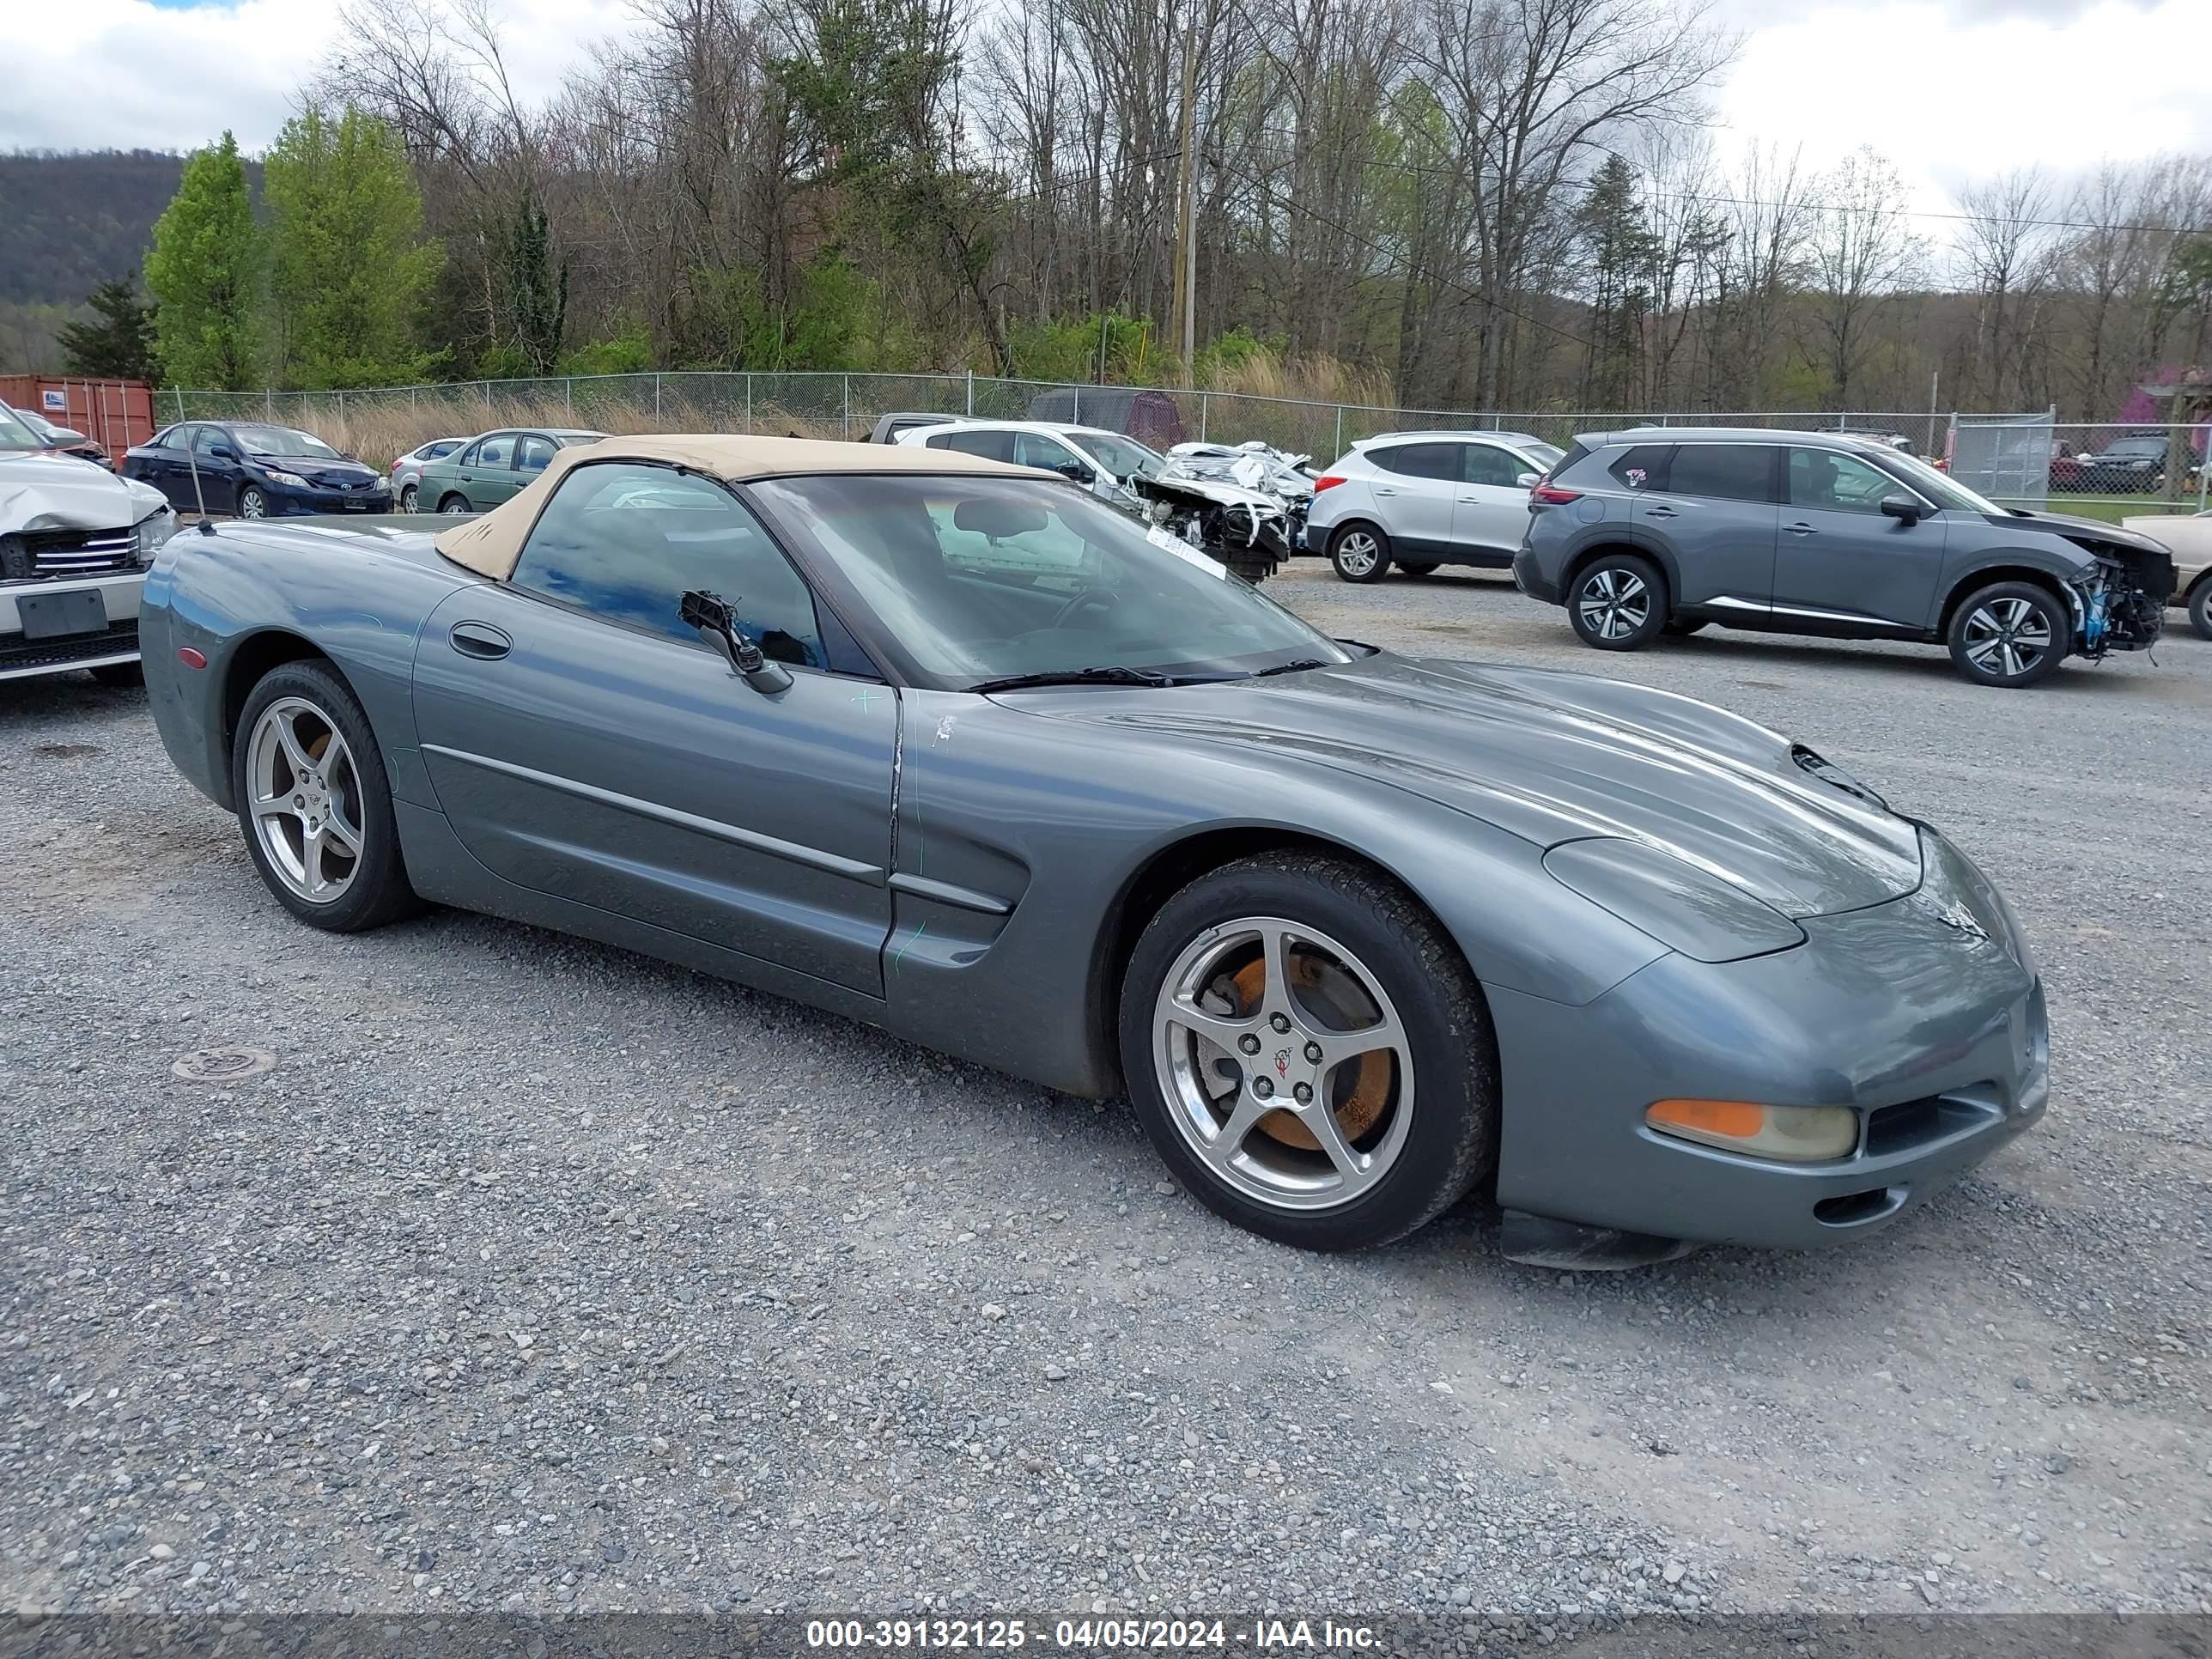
{"type": "Point", "coordinates": [2009, 633]}
{"type": "Point", "coordinates": [251, 503]}
{"type": "Point", "coordinates": [314, 802]}
{"type": "Point", "coordinates": [123, 676]}
{"type": "Point", "coordinates": [1308, 1053]}
{"type": "Point", "coordinates": [1618, 603]}
{"type": "Point", "coordinates": [2200, 609]}
{"type": "Point", "coordinates": [1359, 552]}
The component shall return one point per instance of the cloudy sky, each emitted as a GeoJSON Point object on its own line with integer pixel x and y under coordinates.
{"type": "Point", "coordinates": [1950, 89]}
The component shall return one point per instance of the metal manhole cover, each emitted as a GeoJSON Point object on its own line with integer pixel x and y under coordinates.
{"type": "Point", "coordinates": [231, 1063]}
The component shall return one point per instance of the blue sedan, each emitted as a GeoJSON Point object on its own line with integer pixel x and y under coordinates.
{"type": "Point", "coordinates": [255, 471]}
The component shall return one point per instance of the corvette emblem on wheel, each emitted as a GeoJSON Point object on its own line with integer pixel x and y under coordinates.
{"type": "Point", "coordinates": [1282, 1062]}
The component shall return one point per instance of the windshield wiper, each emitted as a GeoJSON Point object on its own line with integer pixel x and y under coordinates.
{"type": "Point", "coordinates": [1298, 667]}
{"type": "Point", "coordinates": [1110, 674]}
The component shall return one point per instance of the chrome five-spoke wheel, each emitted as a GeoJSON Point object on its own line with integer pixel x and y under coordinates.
{"type": "Point", "coordinates": [306, 801]}
{"type": "Point", "coordinates": [1285, 1065]}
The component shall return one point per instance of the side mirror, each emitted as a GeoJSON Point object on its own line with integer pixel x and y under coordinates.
{"type": "Point", "coordinates": [1077, 471]}
{"type": "Point", "coordinates": [1902, 507]}
{"type": "Point", "coordinates": [716, 619]}
{"type": "Point", "coordinates": [223, 452]}
{"type": "Point", "coordinates": [1526, 481]}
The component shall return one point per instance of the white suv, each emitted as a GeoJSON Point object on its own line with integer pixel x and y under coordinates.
{"type": "Point", "coordinates": [1422, 498]}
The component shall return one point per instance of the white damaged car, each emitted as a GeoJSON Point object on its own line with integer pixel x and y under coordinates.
{"type": "Point", "coordinates": [75, 542]}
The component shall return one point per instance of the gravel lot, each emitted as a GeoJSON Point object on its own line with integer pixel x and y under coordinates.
{"type": "Point", "coordinates": [538, 1275]}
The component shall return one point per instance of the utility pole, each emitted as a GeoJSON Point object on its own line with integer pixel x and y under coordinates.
{"type": "Point", "coordinates": [1182, 315]}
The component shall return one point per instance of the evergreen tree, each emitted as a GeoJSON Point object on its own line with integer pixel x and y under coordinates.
{"type": "Point", "coordinates": [349, 272]}
{"type": "Point", "coordinates": [120, 343]}
{"type": "Point", "coordinates": [1619, 245]}
{"type": "Point", "coordinates": [206, 272]}
{"type": "Point", "coordinates": [537, 288]}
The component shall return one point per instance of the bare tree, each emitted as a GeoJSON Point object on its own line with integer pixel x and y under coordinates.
{"type": "Point", "coordinates": [1861, 252]}
{"type": "Point", "coordinates": [2004, 240]}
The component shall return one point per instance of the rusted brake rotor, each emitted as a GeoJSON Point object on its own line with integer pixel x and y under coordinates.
{"type": "Point", "coordinates": [1370, 1072]}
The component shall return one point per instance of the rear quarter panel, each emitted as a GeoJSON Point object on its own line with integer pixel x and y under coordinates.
{"type": "Point", "coordinates": [245, 594]}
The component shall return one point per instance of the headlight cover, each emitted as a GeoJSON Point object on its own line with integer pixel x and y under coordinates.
{"type": "Point", "coordinates": [152, 533]}
{"type": "Point", "coordinates": [1684, 907]}
{"type": "Point", "coordinates": [290, 480]}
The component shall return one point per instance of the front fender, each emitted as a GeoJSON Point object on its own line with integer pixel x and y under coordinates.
{"type": "Point", "coordinates": [1020, 838]}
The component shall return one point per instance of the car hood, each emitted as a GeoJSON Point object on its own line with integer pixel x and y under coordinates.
{"type": "Point", "coordinates": [46, 489]}
{"type": "Point", "coordinates": [317, 470]}
{"type": "Point", "coordinates": [1554, 758]}
{"type": "Point", "coordinates": [2076, 529]}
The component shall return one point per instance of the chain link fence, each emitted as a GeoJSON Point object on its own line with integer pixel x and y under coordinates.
{"type": "Point", "coordinates": [2027, 460]}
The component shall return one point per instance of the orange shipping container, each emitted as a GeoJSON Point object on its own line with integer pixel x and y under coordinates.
{"type": "Point", "coordinates": [113, 414]}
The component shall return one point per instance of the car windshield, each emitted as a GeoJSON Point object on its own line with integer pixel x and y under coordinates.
{"type": "Point", "coordinates": [281, 440]}
{"type": "Point", "coordinates": [1120, 456]}
{"type": "Point", "coordinates": [980, 579]}
{"type": "Point", "coordinates": [2137, 447]}
{"type": "Point", "coordinates": [1548, 454]}
{"type": "Point", "coordinates": [1940, 488]}
{"type": "Point", "coordinates": [16, 434]}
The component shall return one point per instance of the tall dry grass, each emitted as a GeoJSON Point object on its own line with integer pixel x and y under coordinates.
{"type": "Point", "coordinates": [1316, 380]}
{"type": "Point", "coordinates": [383, 431]}
{"type": "Point", "coordinates": [1289, 402]}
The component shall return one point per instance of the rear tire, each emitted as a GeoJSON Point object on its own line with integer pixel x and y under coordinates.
{"type": "Point", "coordinates": [2200, 609]}
{"type": "Point", "coordinates": [409, 499]}
{"type": "Point", "coordinates": [1390, 1133]}
{"type": "Point", "coordinates": [455, 502]}
{"type": "Point", "coordinates": [308, 703]}
{"type": "Point", "coordinates": [1618, 603]}
{"type": "Point", "coordinates": [122, 676]}
{"type": "Point", "coordinates": [2009, 634]}
{"type": "Point", "coordinates": [1684, 626]}
{"type": "Point", "coordinates": [1360, 552]}
{"type": "Point", "coordinates": [1425, 568]}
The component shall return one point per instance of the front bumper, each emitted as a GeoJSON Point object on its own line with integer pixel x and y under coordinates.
{"type": "Point", "coordinates": [24, 658]}
{"type": "Point", "coordinates": [1935, 1033]}
{"type": "Point", "coordinates": [288, 502]}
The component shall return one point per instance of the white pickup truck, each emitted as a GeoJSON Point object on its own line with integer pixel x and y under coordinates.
{"type": "Point", "coordinates": [75, 542]}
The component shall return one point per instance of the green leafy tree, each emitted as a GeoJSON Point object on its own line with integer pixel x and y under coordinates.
{"type": "Point", "coordinates": [119, 342]}
{"type": "Point", "coordinates": [349, 272]}
{"type": "Point", "coordinates": [205, 273]}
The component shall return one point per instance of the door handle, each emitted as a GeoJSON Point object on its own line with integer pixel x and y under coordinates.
{"type": "Point", "coordinates": [1661, 513]}
{"type": "Point", "coordinates": [479, 640]}
{"type": "Point", "coordinates": [1470, 500]}
{"type": "Point", "coordinates": [1386, 489]}
{"type": "Point", "coordinates": [1799, 529]}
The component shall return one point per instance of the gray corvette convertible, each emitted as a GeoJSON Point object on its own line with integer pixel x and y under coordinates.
{"type": "Point", "coordinates": [951, 748]}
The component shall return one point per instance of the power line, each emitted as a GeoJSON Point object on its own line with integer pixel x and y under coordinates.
{"type": "Point", "coordinates": [1719, 198]}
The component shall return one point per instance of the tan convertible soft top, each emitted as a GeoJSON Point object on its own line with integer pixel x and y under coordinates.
{"type": "Point", "coordinates": [490, 545]}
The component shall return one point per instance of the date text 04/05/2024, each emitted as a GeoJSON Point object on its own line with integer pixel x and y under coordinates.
{"type": "Point", "coordinates": [1263, 1633]}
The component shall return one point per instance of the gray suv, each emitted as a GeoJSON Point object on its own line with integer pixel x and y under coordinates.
{"type": "Point", "coordinates": [1664, 530]}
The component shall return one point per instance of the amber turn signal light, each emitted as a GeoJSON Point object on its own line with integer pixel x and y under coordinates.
{"type": "Point", "coordinates": [1795, 1135]}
